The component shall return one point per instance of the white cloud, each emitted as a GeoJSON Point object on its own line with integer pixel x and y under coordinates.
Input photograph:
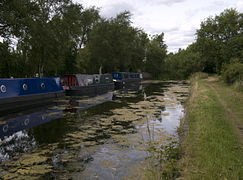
{"type": "Point", "coordinates": [114, 8]}
{"type": "Point", "coordinates": [161, 2]}
{"type": "Point", "coordinates": [239, 5]}
{"type": "Point", "coordinates": [179, 39]}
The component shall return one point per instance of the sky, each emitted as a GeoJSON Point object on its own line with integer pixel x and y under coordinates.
{"type": "Point", "coordinates": [177, 19]}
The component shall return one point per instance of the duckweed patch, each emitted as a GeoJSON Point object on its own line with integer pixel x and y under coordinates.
{"type": "Point", "coordinates": [33, 165]}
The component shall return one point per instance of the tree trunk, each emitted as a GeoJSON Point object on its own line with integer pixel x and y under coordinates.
{"type": "Point", "coordinates": [41, 69]}
{"type": "Point", "coordinates": [41, 62]}
{"type": "Point", "coordinates": [100, 70]}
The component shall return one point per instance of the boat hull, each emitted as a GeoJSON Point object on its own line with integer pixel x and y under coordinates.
{"type": "Point", "coordinates": [17, 103]}
{"type": "Point", "coordinates": [125, 79]}
{"type": "Point", "coordinates": [90, 90]}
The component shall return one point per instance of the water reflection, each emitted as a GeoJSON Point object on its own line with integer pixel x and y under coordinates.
{"type": "Point", "coordinates": [15, 144]}
{"type": "Point", "coordinates": [37, 116]}
{"type": "Point", "coordinates": [27, 119]}
{"type": "Point", "coordinates": [92, 139]}
{"type": "Point", "coordinates": [22, 131]}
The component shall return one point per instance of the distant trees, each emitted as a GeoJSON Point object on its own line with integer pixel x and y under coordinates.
{"type": "Point", "coordinates": [114, 45]}
{"type": "Point", "coordinates": [155, 55]}
{"type": "Point", "coordinates": [219, 42]}
{"type": "Point", "coordinates": [184, 63]}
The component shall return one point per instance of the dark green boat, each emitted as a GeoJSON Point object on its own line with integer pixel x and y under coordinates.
{"type": "Point", "coordinates": [87, 85]}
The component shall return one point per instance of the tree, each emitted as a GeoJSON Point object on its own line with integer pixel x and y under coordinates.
{"type": "Point", "coordinates": [114, 45]}
{"type": "Point", "coordinates": [48, 33]}
{"type": "Point", "coordinates": [155, 55]}
{"type": "Point", "coordinates": [138, 51]}
{"type": "Point", "coordinates": [6, 60]}
{"type": "Point", "coordinates": [219, 39]}
{"type": "Point", "coordinates": [15, 17]}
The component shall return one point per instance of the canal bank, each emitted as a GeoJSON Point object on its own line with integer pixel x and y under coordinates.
{"type": "Point", "coordinates": [212, 140]}
{"type": "Point", "coordinates": [115, 139]}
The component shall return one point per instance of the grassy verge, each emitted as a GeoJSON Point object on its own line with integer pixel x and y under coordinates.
{"type": "Point", "coordinates": [213, 146]}
{"type": "Point", "coordinates": [233, 98]}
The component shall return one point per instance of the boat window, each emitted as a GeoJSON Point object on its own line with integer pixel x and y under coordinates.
{"type": "Point", "coordinates": [42, 85]}
{"type": "Point", "coordinates": [3, 89]}
{"type": "Point", "coordinates": [125, 76]}
{"type": "Point", "coordinates": [97, 79]}
{"type": "Point", "coordinates": [5, 128]}
{"type": "Point", "coordinates": [25, 87]}
{"type": "Point", "coordinates": [107, 79]}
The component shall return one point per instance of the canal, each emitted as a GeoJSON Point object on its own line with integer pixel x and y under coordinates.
{"type": "Point", "coordinates": [103, 137]}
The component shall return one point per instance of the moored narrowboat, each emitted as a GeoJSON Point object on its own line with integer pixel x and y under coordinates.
{"type": "Point", "coordinates": [123, 79]}
{"type": "Point", "coordinates": [87, 85]}
{"type": "Point", "coordinates": [17, 93]}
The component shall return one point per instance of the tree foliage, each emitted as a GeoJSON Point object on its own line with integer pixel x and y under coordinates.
{"type": "Point", "coordinates": [233, 73]}
{"type": "Point", "coordinates": [54, 37]}
{"type": "Point", "coordinates": [184, 63]}
{"type": "Point", "coordinates": [155, 55]}
{"type": "Point", "coordinates": [48, 33]}
{"type": "Point", "coordinates": [114, 45]}
{"type": "Point", "coordinates": [220, 38]}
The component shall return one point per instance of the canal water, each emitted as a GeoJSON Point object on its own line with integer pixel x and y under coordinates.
{"type": "Point", "coordinates": [102, 137]}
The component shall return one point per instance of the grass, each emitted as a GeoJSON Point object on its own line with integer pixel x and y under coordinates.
{"type": "Point", "coordinates": [238, 85]}
{"type": "Point", "coordinates": [233, 98]}
{"type": "Point", "coordinates": [213, 146]}
{"type": "Point", "coordinates": [162, 160]}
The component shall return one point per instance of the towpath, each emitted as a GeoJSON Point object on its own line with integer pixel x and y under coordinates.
{"type": "Point", "coordinates": [231, 100]}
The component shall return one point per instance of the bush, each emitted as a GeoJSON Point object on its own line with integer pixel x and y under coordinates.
{"type": "Point", "coordinates": [233, 73]}
{"type": "Point", "coordinates": [199, 75]}
{"type": "Point", "coordinates": [238, 85]}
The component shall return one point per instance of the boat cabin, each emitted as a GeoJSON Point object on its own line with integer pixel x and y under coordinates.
{"type": "Point", "coordinates": [125, 76]}
{"type": "Point", "coordinates": [81, 80]}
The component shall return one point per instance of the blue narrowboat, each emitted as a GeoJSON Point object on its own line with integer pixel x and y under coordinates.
{"type": "Point", "coordinates": [123, 79]}
{"type": "Point", "coordinates": [17, 93]}
{"type": "Point", "coordinates": [87, 85]}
